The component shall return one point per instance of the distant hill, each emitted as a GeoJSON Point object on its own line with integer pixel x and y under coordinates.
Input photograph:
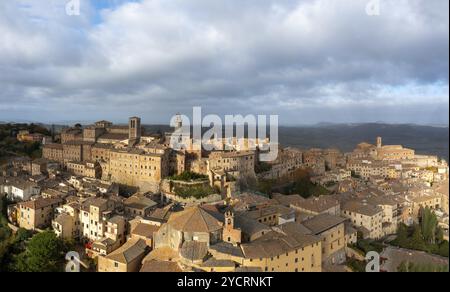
{"type": "Point", "coordinates": [424, 139]}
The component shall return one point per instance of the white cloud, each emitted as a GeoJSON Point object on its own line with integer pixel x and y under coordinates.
{"type": "Point", "coordinates": [155, 57]}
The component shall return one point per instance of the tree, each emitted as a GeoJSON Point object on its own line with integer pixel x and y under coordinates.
{"type": "Point", "coordinates": [417, 240]}
{"type": "Point", "coordinates": [429, 224]}
{"type": "Point", "coordinates": [402, 235]}
{"type": "Point", "coordinates": [443, 249]}
{"type": "Point", "coordinates": [44, 253]}
{"type": "Point", "coordinates": [22, 235]}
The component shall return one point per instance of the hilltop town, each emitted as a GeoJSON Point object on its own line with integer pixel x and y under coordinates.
{"type": "Point", "coordinates": [130, 202]}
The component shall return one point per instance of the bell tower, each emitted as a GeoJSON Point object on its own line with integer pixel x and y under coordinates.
{"type": "Point", "coordinates": [229, 219]}
{"type": "Point", "coordinates": [379, 142]}
{"type": "Point", "coordinates": [231, 234]}
{"type": "Point", "coordinates": [134, 131]}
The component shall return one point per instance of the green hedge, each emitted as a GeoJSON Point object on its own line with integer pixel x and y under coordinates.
{"type": "Point", "coordinates": [198, 192]}
{"type": "Point", "coordinates": [188, 176]}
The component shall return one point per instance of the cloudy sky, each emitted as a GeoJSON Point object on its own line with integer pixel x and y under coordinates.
{"type": "Point", "coordinates": [308, 61]}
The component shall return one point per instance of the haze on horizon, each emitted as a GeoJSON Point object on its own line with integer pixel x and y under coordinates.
{"type": "Point", "coordinates": [309, 61]}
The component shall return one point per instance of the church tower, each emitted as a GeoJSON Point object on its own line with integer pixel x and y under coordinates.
{"type": "Point", "coordinates": [379, 142]}
{"type": "Point", "coordinates": [134, 131]}
{"type": "Point", "coordinates": [229, 219]}
{"type": "Point", "coordinates": [230, 234]}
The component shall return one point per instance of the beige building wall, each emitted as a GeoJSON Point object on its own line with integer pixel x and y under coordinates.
{"type": "Point", "coordinates": [233, 162]}
{"type": "Point", "coordinates": [35, 218]}
{"type": "Point", "coordinates": [333, 241]}
{"type": "Point", "coordinates": [307, 259]}
{"type": "Point", "coordinates": [138, 169]}
{"type": "Point", "coordinates": [111, 266]}
{"type": "Point", "coordinates": [372, 223]}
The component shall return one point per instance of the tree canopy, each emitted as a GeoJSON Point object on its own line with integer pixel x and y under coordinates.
{"type": "Point", "coordinates": [44, 253]}
{"type": "Point", "coordinates": [426, 236]}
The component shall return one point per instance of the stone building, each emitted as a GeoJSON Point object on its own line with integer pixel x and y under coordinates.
{"type": "Point", "coordinates": [36, 214]}
{"type": "Point", "coordinates": [367, 218]}
{"type": "Point", "coordinates": [288, 161]}
{"type": "Point", "coordinates": [314, 206]}
{"type": "Point", "coordinates": [231, 234]}
{"type": "Point", "coordinates": [332, 231]}
{"type": "Point", "coordinates": [76, 151]}
{"type": "Point", "coordinates": [94, 214]}
{"type": "Point", "coordinates": [192, 224]}
{"type": "Point", "coordinates": [382, 152]}
{"type": "Point", "coordinates": [288, 248]}
{"type": "Point", "coordinates": [53, 152]}
{"type": "Point", "coordinates": [240, 165]}
{"type": "Point", "coordinates": [71, 134]}
{"type": "Point", "coordinates": [136, 167]}
{"type": "Point", "coordinates": [134, 127]}
{"type": "Point", "coordinates": [127, 258]}
{"type": "Point", "coordinates": [86, 169]}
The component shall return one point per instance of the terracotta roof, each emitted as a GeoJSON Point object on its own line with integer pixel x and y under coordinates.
{"type": "Point", "coordinates": [128, 252]}
{"type": "Point", "coordinates": [139, 201]}
{"type": "Point", "coordinates": [160, 267]}
{"type": "Point", "coordinates": [40, 203]}
{"type": "Point", "coordinates": [93, 201]}
{"type": "Point", "coordinates": [194, 250]}
{"type": "Point", "coordinates": [62, 219]}
{"type": "Point", "coordinates": [382, 201]}
{"type": "Point", "coordinates": [227, 248]}
{"type": "Point", "coordinates": [116, 219]}
{"type": "Point", "coordinates": [162, 254]}
{"type": "Point", "coordinates": [323, 222]}
{"type": "Point", "coordinates": [113, 136]}
{"type": "Point", "coordinates": [287, 200]}
{"type": "Point", "coordinates": [361, 208]}
{"type": "Point", "coordinates": [250, 226]}
{"type": "Point", "coordinates": [145, 230]}
{"type": "Point", "coordinates": [194, 219]}
{"type": "Point", "coordinates": [283, 239]}
{"type": "Point", "coordinates": [317, 204]}
{"type": "Point", "coordinates": [279, 210]}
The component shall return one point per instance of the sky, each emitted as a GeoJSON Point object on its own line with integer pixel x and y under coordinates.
{"type": "Point", "coordinates": [308, 61]}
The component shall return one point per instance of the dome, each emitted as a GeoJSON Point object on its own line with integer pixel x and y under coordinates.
{"type": "Point", "coordinates": [194, 219]}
